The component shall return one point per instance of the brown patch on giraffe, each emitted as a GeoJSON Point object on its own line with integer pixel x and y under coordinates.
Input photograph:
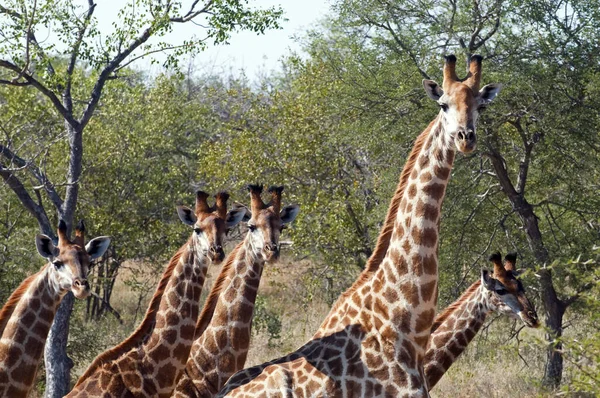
{"type": "Point", "coordinates": [426, 210]}
{"type": "Point", "coordinates": [423, 161]}
{"type": "Point", "coordinates": [391, 295]}
{"type": "Point", "coordinates": [424, 320]}
{"type": "Point", "coordinates": [402, 318]}
{"type": "Point", "coordinates": [430, 264]}
{"type": "Point", "coordinates": [427, 290]}
{"type": "Point", "coordinates": [413, 175]}
{"type": "Point", "coordinates": [406, 246]}
{"type": "Point", "coordinates": [409, 208]}
{"type": "Point", "coordinates": [434, 190]}
{"type": "Point", "coordinates": [416, 264]}
{"type": "Point", "coordinates": [442, 172]}
{"type": "Point", "coordinates": [439, 155]}
{"type": "Point", "coordinates": [425, 177]}
{"type": "Point", "coordinates": [412, 191]}
{"type": "Point", "coordinates": [422, 341]}
{"type": "Point", "coordinates": [450, 156]}
{"type": "Point", "coordinates": [410, 291]}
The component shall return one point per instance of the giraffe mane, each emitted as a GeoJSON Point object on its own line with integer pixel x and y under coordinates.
{"type": "Point", "coordinates": [14, 298]}
{"type": "Point", "coordinates": [385, 235]}
{"type": "Point", "coordinates": [145, 328]}
{"type": "Point", "coordinates": [211, 301]}
{"type": "Point", "coordinates": [441, 318]}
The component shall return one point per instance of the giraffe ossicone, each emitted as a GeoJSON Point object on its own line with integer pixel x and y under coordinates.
{"type": "Point", "coordinates": [374, 340]}
{"type": "Point", "coordinates": [26, 317]}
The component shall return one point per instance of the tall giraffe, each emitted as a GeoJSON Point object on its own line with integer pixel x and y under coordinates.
{"type": "Point", "coordinates": [376, 345]}
{"type": "Point", "coordinates": [221, 349]}
{"type": "Point", "coordinates": [27, 316]}
{"type": "Point", "coordinates": [151, 360]}
{"type": "Point", "coordinates": [455, 327]}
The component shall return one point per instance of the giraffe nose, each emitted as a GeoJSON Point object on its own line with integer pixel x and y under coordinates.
{"type": "Point", "coordinates": [81, 284]}
{"type": "Point", "coordinates": [467, 138]}
{"type": "Point", "coordinates": [217, 252]}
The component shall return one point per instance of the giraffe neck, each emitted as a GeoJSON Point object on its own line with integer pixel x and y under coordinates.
{"type": "Point", "coordinates": [25, 332]}
{"type": "Point", "coordinates": [383, 240]}
{"type": "Point", "coordinates": [168, 347]}
{"type": "Point", "coordinates": [453, 330]}
{"type": "Point", "coordinates": [223, 347]}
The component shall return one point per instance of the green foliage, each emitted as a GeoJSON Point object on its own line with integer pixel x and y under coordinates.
{"type": "Point", "coordinates": [266, 320]}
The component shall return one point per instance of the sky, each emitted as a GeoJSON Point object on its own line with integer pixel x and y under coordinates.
{"type": "Point", "coordinates": [253, 53]}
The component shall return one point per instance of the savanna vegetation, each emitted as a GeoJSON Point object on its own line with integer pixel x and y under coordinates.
{"type": "Point", "coordinates": [87, 134]}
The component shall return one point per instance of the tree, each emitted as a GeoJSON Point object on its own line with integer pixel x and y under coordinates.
{"type": "Point", "coordinates": [50, 68]}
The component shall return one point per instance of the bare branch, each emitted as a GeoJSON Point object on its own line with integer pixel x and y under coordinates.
{"type": "Point", "coordinates": [37, 173]}
{"type": "Point", "coordinates": [75, 53]}
{"type": "Point", "coordinates": [191, 14]}
{"type": "Point", "coordinates": [36, 210]}
{"type": "Point", "coordinates": [44, 90]}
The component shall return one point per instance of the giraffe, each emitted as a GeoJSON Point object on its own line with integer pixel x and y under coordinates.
{"type": "Point", "coordinates": [221, 347]}
{"type": "Point", "coordinates": [455, 327]}
{"type": "Point", "coordinates": [26, 317]}
{"type": "Point", "coordinates": [151, 360]}
{"type": "Point", "coordinates": [374, 341]}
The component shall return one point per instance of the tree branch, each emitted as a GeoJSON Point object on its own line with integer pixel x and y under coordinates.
{"type": "Point", "coordinates": [37, 173]}
{"type": "Point", "coordinates": [36, 210]}
{"type": "Point", "coordinates": [67, 99]}
{"type": "Point", "coordinates": [44, 90]}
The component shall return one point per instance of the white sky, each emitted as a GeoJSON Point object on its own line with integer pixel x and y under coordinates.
{"type": "Point", "coordinates": [255, 54]}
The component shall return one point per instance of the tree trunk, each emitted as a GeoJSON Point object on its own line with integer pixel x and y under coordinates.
{"type": "Point", "coordinates": [58, 364]}
{"type": "Point", "coordinates": [554, 307]}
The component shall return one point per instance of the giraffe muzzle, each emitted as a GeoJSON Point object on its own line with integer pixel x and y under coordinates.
{"type": "Point", "coordinates": [466, 140]}
{"type": "Point", "coordinates": [217, 254]}
{"type": "Point", "coordinates": [81, 288]}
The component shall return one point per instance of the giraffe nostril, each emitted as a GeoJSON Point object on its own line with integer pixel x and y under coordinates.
{"type": "Point", "coordinates": [461, 135]}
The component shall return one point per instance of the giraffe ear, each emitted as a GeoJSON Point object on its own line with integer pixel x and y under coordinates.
{"type": "Point", "coordinates": [433, 90]}
{"type": "Point", "coordinates": [97, 246]}
{"type": "Point", "coordinates": [45, 246]}
{"type": "Point", "coordinates": [489, 92]}
{"type": "Point", "coordinates": [186, 215]}
{"type": "Point", "coordinates": [234, 216]}
{"type": "Point", "coordinates": [486, 280]}
{"type": "Point", "coordinates": [289, 213]}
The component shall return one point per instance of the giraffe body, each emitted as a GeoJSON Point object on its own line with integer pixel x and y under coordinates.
{"type": "Point", "coordinates": [151, 362]}
{"type": "Point", "coordinates": [26, 318]}
{"type": "Point", "coordinates": [374, 341]}
{"type": "Point", "coordinates": [223, 331]}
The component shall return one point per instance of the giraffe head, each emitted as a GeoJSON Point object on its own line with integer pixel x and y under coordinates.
{"type": "Point", "coordinates": [266, 221]}
{"type": "Point", "coordinates": [210, 223]}
{"type": "Point", "coordinates": [506, 292]}
{"type": "Point", "coordinates": [461, 101]}
{"type": "Point", "coordinates": [70, 259]}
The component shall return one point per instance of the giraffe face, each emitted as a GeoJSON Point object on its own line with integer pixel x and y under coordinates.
{"type": "Point", "coordinates": [70, 262]}
{"type": "Point", "coordinates": [506, 295]}
{"type": "Point", "coordinates": [460, 107]}
{"type": "Point", "coordinates": [265, 227]}
{"type": "Point", "coordinates": [210, 229]}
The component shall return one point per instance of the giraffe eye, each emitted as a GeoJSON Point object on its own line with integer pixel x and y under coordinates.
{"type": "Point", "coordinates": [198, 230]}
{"type": "Point", "coordinates": [58, 263]}
{"type": "Point", "coordinates": [443, 106]}
{"type": "Point", "coordinates": [501, 291]}
{"type": "Point", "coordinates": [252, 227]}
